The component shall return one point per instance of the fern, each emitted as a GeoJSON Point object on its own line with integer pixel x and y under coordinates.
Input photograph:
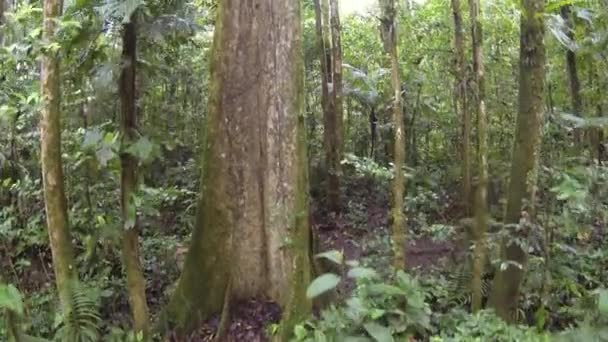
{"type": "Point", "coordinates": [81, 322]}
{"type": "Point", "coordinates": [460, 285]}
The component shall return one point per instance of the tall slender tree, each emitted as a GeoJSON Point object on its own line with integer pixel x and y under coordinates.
{"type": "Point", "coordinates": [522, 184]}
{"type": "Point", "coordinates": [480, 208]}
{"type": "Point", "coordinates": [574, 84]}
{"type": "Point", "coordinates": [389, 33]}
{"type": "Point", "coordinates": [461, 105]}
{"type": "Point", "coordinates": [338, 92]}
{"type": "Point", "coordinates": [136, 283]}
{"type": "Point", "coordinates": [52, 166]}
{"type": "Point", "coordinates": [251, 237]}
{"type": "Point", "coordinates": [327, 20]}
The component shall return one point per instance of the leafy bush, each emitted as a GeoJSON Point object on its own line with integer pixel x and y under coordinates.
{"type": "Point", "coordinates": [485, 326]}
{"type": "Point", "coordinates": [378, 310]}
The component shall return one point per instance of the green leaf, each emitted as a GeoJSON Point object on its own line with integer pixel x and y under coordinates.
{"type": "Point", "coordinates": [10, 298]}
{"type": "Point", "coordinates": [322, 284]}
{"type": "Point", "coordinates": [131, 213]}
{"type": "Point", "coordinates": [104, 155]}
{"type": "Point", "coordinates": [386, 289]}
{"type": "Point", "coordinates": [602, 303]}
{"type": "Point", "coordinates": [378, 332]}
{"type": "Point", "coordinates": [92, 139]}
{"type": "Point", "coordinates": [362, 272]}
{"type": "Point", "coordinates": [142, 149]}
{"type": "Point", "coordinates": [334, 256]}
{"type": "Point", "coordinates": [300, 332]}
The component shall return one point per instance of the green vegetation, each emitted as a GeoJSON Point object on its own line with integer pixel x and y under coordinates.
{"type": "Point", "coordinates": [278, 170]}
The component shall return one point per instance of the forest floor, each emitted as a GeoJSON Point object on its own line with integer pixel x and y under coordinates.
{"type": "Point", "coordinates": [361, 233]}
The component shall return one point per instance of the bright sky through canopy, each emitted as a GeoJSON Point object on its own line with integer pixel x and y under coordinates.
{"type": "Point", "coordinates": [348, 7]}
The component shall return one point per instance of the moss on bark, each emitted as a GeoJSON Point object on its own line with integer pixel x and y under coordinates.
{"type": "Point", "coordinates": [522, 185]}
{"type": "Point", "coordinates": [136, 283]}
{"type": "Point", "coordinates": [252, 220]}
{"type": "Point", "coordinates": [52, 166]}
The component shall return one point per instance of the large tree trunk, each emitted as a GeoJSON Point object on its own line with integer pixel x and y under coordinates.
{"type": "Point", "coordinates": [522, 186]}
{"type": "Point", "coordinates": [252, 223]}
{"type": "Point", "coordinates": [481, 202]}
{"type": "Point", "coordinates": [52, 168]}
{"type": "Point", "coordinates": [460, 91]}
{"type": "Point", "coordinates": [136, 283]}
{"type": "Point", "coordinates": [389, 33]}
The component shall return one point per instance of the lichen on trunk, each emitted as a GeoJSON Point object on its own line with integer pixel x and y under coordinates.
{"type": "Point", "coordinates": [481, 201]}
{"type": "Point", "coordinates": [522, 186]}
{"type": "Point", "coordinates": [252, 221]}
{"type": "Point", "coordinates": [52, 166]}
{"type": "Point", "coordinates": [136, 283]}
{"type": "Point", "coordinates": [389, 33]}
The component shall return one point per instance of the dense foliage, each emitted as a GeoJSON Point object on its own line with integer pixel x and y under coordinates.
{"type": "Point", "coordinates": [563, 295]}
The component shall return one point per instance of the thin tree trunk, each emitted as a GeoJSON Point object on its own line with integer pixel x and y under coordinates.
{"type": "Point", "coordinates": [481, 202]}
{"type": "Point", "coordinates": [462, 110]}
{"type": "Point", "coordinates": [2, 9]}
{"type": "Point", "coordinates": [574, 84]}
{"type": "Point", "coordinates": [373, 124]}
{"type": "Point", "coordinates": [252, 222]}
{"type": "Point", "coordinates": [412, 151]}
{"type": "Point", "coordinates": [52, 167]}
{"type": "Point", "coordinates": [136, 283]}
{"type": "Point", "coordinates": [389, 33]}
{"type": "Point", "coordinates": [337, 78]}
{"type": "Point", "coordinates": [522, 186]}
{"type": "Point", "coordinates": [332, 125]}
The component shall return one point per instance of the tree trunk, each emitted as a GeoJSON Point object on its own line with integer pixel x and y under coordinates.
{"type": "Point", "coordinates": [574, 84]}
{"type": "Point", "coordinates": [52, 167]}
{"type": "Point", "coordinates": [389, 33]}
{"type": "Point", "coordinates": [373, 124]}
{"type": "Point", "coordinates": [252, 221]}
{"type": "Point", "coordinates": [481, 203]}
{"type": "Point", "coordinates": [338, 101]}
{"type": "Point", "coordinates": [522, 186]}
{"type": "Point", "coordinates": [460, 91]}
{"type": "Point", "coordinates": [2, 8]}
{"type": "Point", "coordinates": [136, 283]}
{"type": "Point", "coordinates": [331, 92]}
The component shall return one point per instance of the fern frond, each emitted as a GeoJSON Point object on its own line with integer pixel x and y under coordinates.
{"type": "Point", "coordinates": [82, 321]}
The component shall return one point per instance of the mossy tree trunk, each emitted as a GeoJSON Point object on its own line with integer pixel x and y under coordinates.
{"type": "Point", "coordinates": [338, 99]}
{"type": "Point", "coordinates": [574, 84]}
{"type": "Point", "coordinates": [136, 283]}
{"type": "Point", "coordinates": [52, 166]}
{"type": "Point", "coordinates": [481, 203]}
{"type": "Point", "coordinates": [327, 22]}
{"type": "Point", "coordinates": [252, 222]}
{"type": "Point", "coordinates": [522, 186]}
{"type": "Point", "coordinates": [389, 33]}
{"type": "Point", "coordinates": [460, 102]}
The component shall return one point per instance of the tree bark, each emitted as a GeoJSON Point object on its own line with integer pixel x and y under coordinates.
{"type": "Point", "coordinates": [460, 91]}
{"type": "Point", "coordinates": [52, 167]}
{"type": "Point", "coordinates": [481, 202]}
{"type": "Point", "coordinates": [522, 186]}
{"type": "Point", "coordinates": [331, 92]}
{"type": "Point", "coordinates": [252, 221]}
{"type": "Point", "coordinates": [136, 283]}
{"type": "Point", "coordinates": [389, 33]}
{"type": "Point", "coordinates": [337, 82]}
{"type": "Point", "coordinates": [574, 84]}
